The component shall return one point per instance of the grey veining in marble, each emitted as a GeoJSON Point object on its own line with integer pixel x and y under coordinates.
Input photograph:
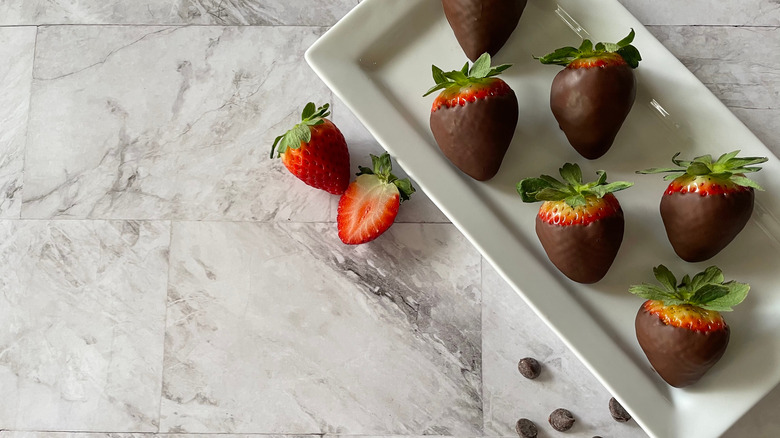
{"type": "Point", "coordinates": [219, 12]}
{"type": "Point", "coordinates": [83, 310]}
{"type": "Point", "coordinates": [747, 81]}
{"type": "Point", "coordinates": [280, 327]}
{"type": "Point", "coordinates": [168, 123]}
{"type": "Point", "coordinates": [16, 51]}
{"type": "Point", "coordinates": [512, 331]}
{"type": "Point", "coordinates": [361, 143]}
{"type": "Point", "coordinates": [698, 12]}
{"type": "Point", "coordinates": [265, 323]}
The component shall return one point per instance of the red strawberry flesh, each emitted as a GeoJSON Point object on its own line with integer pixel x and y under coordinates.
{"type": "Point", "coordinates": [603, 60]}
{"type": "Point", "coordinates": [704, 185]}
{"type": "Point", "coordinates": [323, 162]}
{"type": "Point", "coordinates": [686, 316]}
{"type": "Point", "coordinates": [560, 213]}
{"type": "Point", "coordinates": [454, 97]}
{"type": "Point", "coordinates": [367, 209]}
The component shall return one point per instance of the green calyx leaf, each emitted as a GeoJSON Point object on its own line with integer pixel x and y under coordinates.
{"type": "Point", "coordinates": [382, 167]}
{"type": "Point", "coordinates": [300, 133]}
{"type": "Point", "coordinates": [573, 191]}
{"type": "Point", "coordinates": [727, 167]}
{"type": "Point", "coordinates": [706, 289]}
{"type": "Point", "coordinates": [565, 55]}
{"type": "Point", "coordinates": [479, 71]}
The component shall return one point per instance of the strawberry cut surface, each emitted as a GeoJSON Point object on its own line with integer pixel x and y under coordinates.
{"type": "Point", "coordinates": [560, 213]}
{"type": "Point", "coordinates": [686, 316]}
{"type": "Point", "coordinates": [367, 209]}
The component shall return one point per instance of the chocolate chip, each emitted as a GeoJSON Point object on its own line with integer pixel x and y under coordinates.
{"type": "Point", "coordinates": [561, 420]}
{"type": "Point", "coordinates": [617, 411]}
{"type": "Point", "coordinates": [525, 428]}
{"type": "Point", "coordinates": [529, 368]}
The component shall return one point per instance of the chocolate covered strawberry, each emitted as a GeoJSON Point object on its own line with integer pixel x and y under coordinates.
{"type": "Point", "coordinates": [579, 225]}
{"type": "Point", "coordinates": [315, 151]}
{"type": "Point", "coordinates": [680, 327]}
{"type": "Point", "coordinates": [482, 26]}
{"type": "Point", "coordinates": [474, 117]}
{"type": "Point", "coordinates": [370, 204]}
{"type": "Point", "coordinates": [593, 95]}
{"type": "Point", "coordinates": [707, 203]}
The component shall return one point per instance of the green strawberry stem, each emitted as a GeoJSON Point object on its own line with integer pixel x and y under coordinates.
{"type": "Point", "coordinates": [728, 167]}
{"type": "Point", "coordinates": [565, 55]}
{"type": "Point", "coordinates": [706, 289]}
{"type": "Point", "coordinates": [547, 188]}
{"type": "Point", "coordinates": [381, 168]}
{"type": "Point", "coordinates": [479, 71]}
{"type": "Point", "coordinates": [301, 132]}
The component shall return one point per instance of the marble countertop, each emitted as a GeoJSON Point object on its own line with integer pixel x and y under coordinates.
{"type": "Point", "coordinates": [161, 275]}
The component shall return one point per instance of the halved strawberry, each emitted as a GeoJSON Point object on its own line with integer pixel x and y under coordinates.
{"type": "Point", "coordinates": [473, 119]}
{"type": "Point", "coordinates": [708, 202]}
{"type": "Point", "coordinates": [579, 225]}
{"type": "Point", "coordinates": [482, 25]}
{"type": "Point", "coordinates": [370, 204]}
{"type": "Point", "coordinates": [680, 327]}
{"type": "Point", "coordinates": [592, 96]}
{"type": "Point", "coordinates": [315, 151]}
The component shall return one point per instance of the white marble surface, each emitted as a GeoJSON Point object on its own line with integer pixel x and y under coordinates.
{"type": "Point", "coordinates": [16, 49]}
{"type": "Point", "coordinates": [161, 275]}
{"type": "Point", "coordinates": [177, 12]}
{"type": "Point", "coordinates": [83, 306]}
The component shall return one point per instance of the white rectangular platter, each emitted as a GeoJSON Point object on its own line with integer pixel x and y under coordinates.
{"type": "Point", "coordinates": [378, 61]}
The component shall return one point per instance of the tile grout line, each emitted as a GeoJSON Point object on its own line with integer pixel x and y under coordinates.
{"type": "Point", "coordinates": [318, 25]}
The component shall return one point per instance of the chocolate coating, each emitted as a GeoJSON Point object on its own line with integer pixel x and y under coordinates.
{"type": "Point", "coordinates": [679, 355]}
{"type": "Point", "coordinates": [591, 104]}
{"type": "Point", "coordinates": [583, 253]}
{"type": "Point", "coordinates": [482, 25]}
{"type": "Point", "coordinates": [476, 136]}
{"type": "Point", "coordinates": [698, 227]}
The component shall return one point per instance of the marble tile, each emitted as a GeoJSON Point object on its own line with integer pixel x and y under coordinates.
{"type": "Point", "coordinates": [747, 81]}
{"type": "Point", "coordinates": [138, 122]}
{"type": "Point", "coordinates": [150, 12]}
{"type": "Point", "coordinates": [17, 46]}
{"type": "Point", "coordinates": [22, 434]}
{"type": "Point", "coordinates": [725, 12]}
{"type": "Point", "coordinates": [279, 327]}
{"type": "Point", "coordinates": [761, 421]}
{"type": "Point", "coordinates": [361, 143]}
{"type": "Point", "coordinates": [512, 331]}
{"type": "Point", "coordinates": [83, 306]}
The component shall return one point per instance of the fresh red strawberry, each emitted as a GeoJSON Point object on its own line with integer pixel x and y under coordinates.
{"type": "Point", "coordinates": [370, 204]}
{"type": "Point", "coordinates": [592, 96]}
{"type": "Point", "coordinates": [579, 225]}
{"type": "Point", "coordinates": [473, 119]}
{"type": "Point", "coordinates": [315, 151]}
{"type": "Point", "coordinates": [680, 327]}
{"type": "Point", "coordinates": [483, 25]}
{"type": "Point", "coordinates": [708, 203]}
